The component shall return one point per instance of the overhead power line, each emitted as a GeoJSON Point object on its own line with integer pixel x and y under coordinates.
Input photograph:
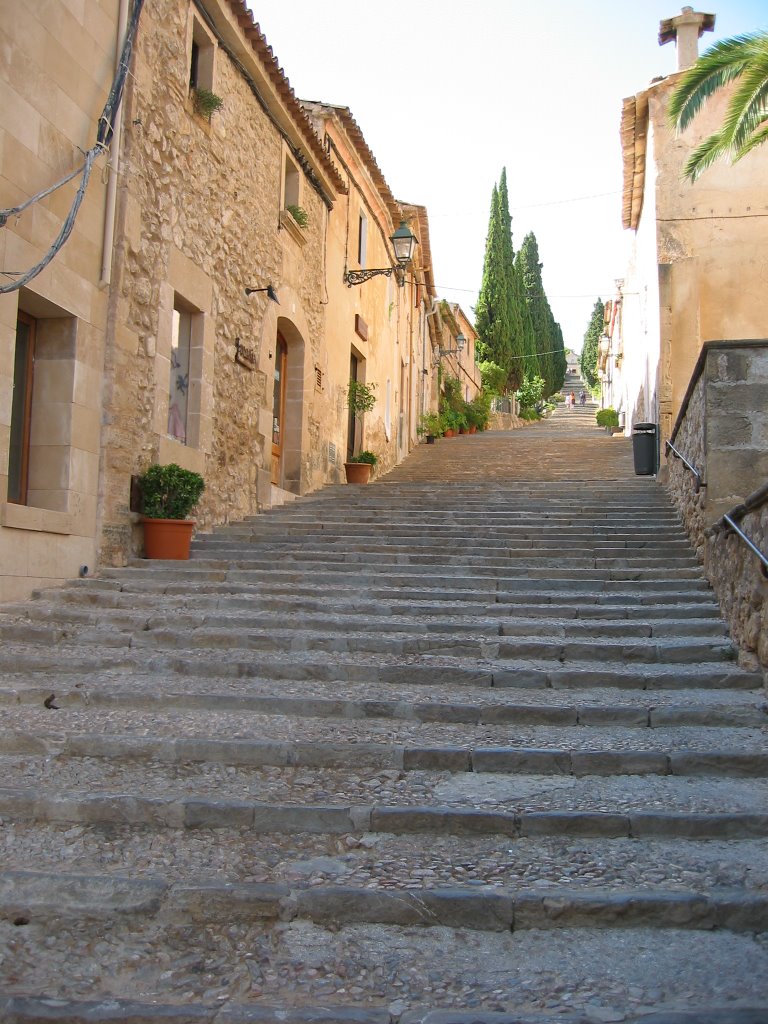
{"type": "Point", "coordinates": [104, 133]}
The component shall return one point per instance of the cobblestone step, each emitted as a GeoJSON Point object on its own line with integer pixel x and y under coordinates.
{"type": "Point", "coordinates": [657, 712]}
{"type": "Point", "coordinates": [441, 752]}
{"type": "Point", "coordinates": [325, 667]}
{"type": "Point", "coordinates": [83, 898]}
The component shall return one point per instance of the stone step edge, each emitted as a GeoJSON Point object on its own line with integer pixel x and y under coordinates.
{"type": "Point", "coordinates": [598, 715]}
{"type": "Point", "coordinates": [390, 757]}
{"type": "Point", "coordinates": [287, 819]}
{"type": "Point", "coordinates": [31, 1009]}
{"type": "Point", "coordinates": [25, 894]}
{"type": "Point", "coordinates": [723, 674]}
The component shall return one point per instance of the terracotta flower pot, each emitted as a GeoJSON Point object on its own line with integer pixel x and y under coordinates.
{"type": "Point", "coordinates": [449, 433]}
{"type": "Point", "coordinates": [167, 538]}
{"type": "Point", "coordinates": [358, 472]}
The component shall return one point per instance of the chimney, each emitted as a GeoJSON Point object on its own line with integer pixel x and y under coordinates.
{"type": "Point", "coordinates": [686, 29]}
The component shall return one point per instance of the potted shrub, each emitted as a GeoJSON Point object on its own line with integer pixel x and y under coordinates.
{"type": "Point", "coordinates": [360, 467]}
{"type": "Point", "coordinates": [607, 418]}
{"type": "Point", "coordinates": [430, 426]}
{"type": "Point", "coordinates": [168, 495]}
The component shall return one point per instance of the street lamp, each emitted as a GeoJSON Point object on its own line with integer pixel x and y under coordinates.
{"type": "Point", "coordinates": [403, 242]}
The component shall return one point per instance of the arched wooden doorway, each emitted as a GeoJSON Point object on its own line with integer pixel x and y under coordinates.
{"type": "Point", "coordinates": [278, 408]}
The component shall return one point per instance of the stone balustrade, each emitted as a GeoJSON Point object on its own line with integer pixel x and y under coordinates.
{"type": "Point", "coordinates": [722, 430]}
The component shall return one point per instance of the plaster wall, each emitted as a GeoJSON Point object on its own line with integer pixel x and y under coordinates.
{"type": "Point", "coordinates": [640, 326]}
{"type": "Point", "coordinates": [711, 256]}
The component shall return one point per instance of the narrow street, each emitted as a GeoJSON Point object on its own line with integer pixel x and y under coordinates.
{"type": "Point", "coordinates": [469, 744]}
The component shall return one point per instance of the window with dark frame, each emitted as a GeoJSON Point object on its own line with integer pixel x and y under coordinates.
{"type": "Point", "coordinates": [362, 240]}
{"type": "Point", "coordinates": [21, 409]}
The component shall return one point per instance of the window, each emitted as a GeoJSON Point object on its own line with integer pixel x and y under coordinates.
{"type": "Point", "coordinates": [291, 183]}
{"type": "Point", "coordinates": [21, 409]}
{"type": "Point", "coordinates": [201, 59]}
{"type": "Point", "coordinates": [178, 393]}
{"type": "Point", "coordinates": [362, 239]}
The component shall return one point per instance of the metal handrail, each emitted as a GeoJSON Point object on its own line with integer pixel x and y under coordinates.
{"type": "Point", "coordinates": [728, 521]}
{"type": "Point", "coordinates": [697, 475]}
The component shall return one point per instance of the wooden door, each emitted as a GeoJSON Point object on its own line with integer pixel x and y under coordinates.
{"type": "Point", "coordinates": [278, 409]}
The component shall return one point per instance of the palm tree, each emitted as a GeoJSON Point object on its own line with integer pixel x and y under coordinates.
{"type": "Point", "coordinates": [741, 59]}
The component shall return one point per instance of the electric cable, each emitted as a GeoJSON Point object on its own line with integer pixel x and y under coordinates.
{"type": "Point", "coordinates": [104, 134]}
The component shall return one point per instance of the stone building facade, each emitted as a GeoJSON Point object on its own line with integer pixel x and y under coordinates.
{"type": "Point", "coordinates": [699, 257]}
{"type": "Point", "coordinates": [199, 313]}
{"type": "Point", "coordinates": [56, 66]}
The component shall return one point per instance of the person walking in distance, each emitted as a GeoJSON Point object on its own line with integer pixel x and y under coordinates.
{"type": "Point", "coordinates": [573, 399]}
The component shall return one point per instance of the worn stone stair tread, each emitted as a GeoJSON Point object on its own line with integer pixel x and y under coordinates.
{"type": "Point", "coordinates": [409, 734]}
{"type": "Point", "coordinates": [414, 669]}
{"type": "Point", "coordinates": [451, 621]}
{"type": "Point", "coordinates": [740, 710]}
{"type": "Point", "coordinates": [197, 811]}
{"type": "Point", "coordinates": [487, 908]}
{"type": "Point", "coordinates": [35, 1010]}
{"type": "Point", "coordinates": [451, 971]}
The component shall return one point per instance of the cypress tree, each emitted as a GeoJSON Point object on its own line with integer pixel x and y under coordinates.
{"type": "Point", "coordinates": [492, 320]}
{"type": "Point", "coordinates": [588, 361]}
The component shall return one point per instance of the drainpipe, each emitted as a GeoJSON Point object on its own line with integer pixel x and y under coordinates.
{"type": "Point", "coordinates": [114, 162]}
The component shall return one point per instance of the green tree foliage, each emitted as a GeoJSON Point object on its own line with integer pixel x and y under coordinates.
{"type": "Point", "coordinates": [590, 348]}
{"type": "Point", "coordinates": [530, 391]}
{"type": "Point", "coordinates": [741, 59]}
{"type": "Point", "coordinates": [493, 376]}
{"type": "Point", "coordinates": [492, 319]}
{"type": "Point", "coordinates": [515, 326]}
{"type": "Point", "coordinates": [547, 354]}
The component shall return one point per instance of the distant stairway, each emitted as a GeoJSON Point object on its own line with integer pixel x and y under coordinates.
{"type": "Point", "coordinates": [476, 750]}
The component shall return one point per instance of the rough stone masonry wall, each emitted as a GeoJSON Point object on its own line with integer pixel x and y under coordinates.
{"type": "Point", "coordinates": [723, 431]}
{"type": "Point", "coordinates": [212, 191]}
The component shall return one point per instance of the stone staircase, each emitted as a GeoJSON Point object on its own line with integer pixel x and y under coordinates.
{"type": "Point", "coordinates": [469, 744]}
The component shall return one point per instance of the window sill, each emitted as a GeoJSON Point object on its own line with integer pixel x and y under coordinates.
{"type": "Point", "coordinates": [294, 230]}
{"type": "Point", "coordinates": [39, 520]}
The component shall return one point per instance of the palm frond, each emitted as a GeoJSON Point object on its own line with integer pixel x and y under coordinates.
{"type": "Point", "coordinates": [748, 106]}
{"type": "Point", "coordinates": [757, 138]}
{"type": "Point", "coordinates": [721, 64]}
{"type": "Point", "coordinates": [705, 154]}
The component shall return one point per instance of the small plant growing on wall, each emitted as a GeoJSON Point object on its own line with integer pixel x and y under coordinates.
{"type": "Point", "coordinates": [299, 214]}
{"type": "Point", "coordinates": [206, 102]}
{"type": "Point", "coordinates": [360, 397]}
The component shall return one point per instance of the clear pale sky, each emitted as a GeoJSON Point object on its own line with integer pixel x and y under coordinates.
{"type": "Point", "coordinates": [447, 92]}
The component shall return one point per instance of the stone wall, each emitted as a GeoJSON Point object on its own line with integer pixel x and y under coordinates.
{"type": "Point", "coordinates": [200, 213]}
{"type": "Point", "coordinates": [740, 586]}
{"type": "Point", "coordinates": [722, 430]}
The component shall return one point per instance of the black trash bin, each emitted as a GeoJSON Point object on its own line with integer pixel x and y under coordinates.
{"type": "Point", "coordinates": [645, 449]}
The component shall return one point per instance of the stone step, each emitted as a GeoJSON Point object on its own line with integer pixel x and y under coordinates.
{"type": "Point", "coordinates": [412, 670]}
{"type": "Point", "coordinates": [83, 899]}
{"type": "Point", "coordinates": [394, 744]}
{"type": "Point", "coordinates": [662, 710]}
{"type": "Point", "coordinates": [269, 799]}
{"type": "Point", "coordinates": [65, 614]}
{"type": "Point", "coordinates": [298, 972]}
{"type": "Point", "coordinates": [527, 593]}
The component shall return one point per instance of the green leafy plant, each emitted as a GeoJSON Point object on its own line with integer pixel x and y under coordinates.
{"type": "Point", "coordinates": [206, 102]}
{"type": "Point", "coordinates": [607, 418]}
{"type": "Point", "coordinates": [365, 456]}
{"type": "Point", "coordinates": [298, 213]}
{"type": "Point", "coordinates": [529, 414]}
{"type": "Point", "coordinates": [479, 411]}
{"type": "Point", "coordinates": [360, 397]}
{"type": "Point", "coordinates": [169, 492]}
{"type": "Point", "coordinates": [430, 424]}
{"type": "Point", "coordinates": [530, 391]}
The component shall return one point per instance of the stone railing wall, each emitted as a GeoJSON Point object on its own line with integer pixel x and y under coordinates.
{"type": "Point", "coordinates": [722, 430]}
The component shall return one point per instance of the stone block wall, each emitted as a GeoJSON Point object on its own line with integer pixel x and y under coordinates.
{"type": "Point", "coordinates": [200, 219]}
{"type": "Point", "coordinates": [722, 430]}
